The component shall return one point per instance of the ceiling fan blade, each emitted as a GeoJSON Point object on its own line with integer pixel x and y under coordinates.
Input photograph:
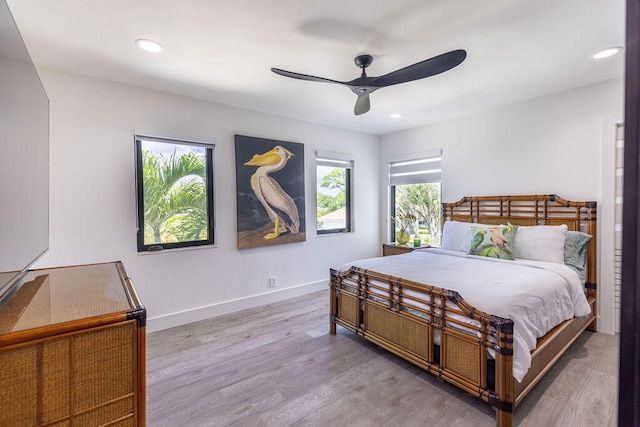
{"type": "Point", "coordinates": [427, 68]}
{"type": "Point", "coordinates": [362, 105]}
{"type": "Point", "coordinates": [304, 76]}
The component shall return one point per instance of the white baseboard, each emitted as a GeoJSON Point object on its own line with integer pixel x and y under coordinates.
{"type": "Point", "coordinates": [200, 313]}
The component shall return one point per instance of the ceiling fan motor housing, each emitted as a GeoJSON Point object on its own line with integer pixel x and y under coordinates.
{"type": "Point", "coordinates": [363, 61]}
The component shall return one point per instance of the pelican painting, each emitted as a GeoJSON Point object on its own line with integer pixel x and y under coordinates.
{"type": "Point", "coordinates": [270, 182]}
{"type": "Point", "coordinates": [279, 205]}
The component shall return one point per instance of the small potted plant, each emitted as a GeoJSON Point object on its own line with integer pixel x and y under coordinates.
{"type": "Point", "coordinates": [403, 222]}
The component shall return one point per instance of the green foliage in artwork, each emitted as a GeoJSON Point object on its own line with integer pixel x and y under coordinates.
{"type": "Point", "coordinates": [491, 251]}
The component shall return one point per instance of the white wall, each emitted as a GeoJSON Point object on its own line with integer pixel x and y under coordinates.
{"type": "Point", "coordinates": [92, 199]}
{"type": "Point", "coordinates": [546, 145]}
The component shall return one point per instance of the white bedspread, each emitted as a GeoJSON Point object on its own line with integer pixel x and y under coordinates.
{"type": "Point", "coordinates": [536, 295]}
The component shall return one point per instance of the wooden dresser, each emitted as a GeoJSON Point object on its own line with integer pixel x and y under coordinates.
{"type": "Point", "coordinates": [72, 349]}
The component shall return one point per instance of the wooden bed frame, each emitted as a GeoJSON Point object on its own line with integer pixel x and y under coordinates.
{"type": "Point", "coordinates": [406, 317]}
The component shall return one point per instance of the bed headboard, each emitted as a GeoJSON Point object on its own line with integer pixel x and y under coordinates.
{"type": "Point", "coordinates": [547, 209]}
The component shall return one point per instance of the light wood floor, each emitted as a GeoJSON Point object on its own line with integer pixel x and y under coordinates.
{"type": "Point", "coordinates": [277, 365]}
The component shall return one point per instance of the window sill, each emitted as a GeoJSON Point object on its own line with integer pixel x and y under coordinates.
{"type": "Point", "coordinates": [341, 233]}
{"type": "Point", "coordinates": [189, 248]}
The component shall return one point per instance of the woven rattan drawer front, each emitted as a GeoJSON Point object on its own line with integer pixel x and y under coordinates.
{"type": "Point", "coordinates": [120, 409]}
{"type": "Point", "coordinates": [56, 379]}
{"type": "Point", "coordinates": [103, 365]}
{"type": "Point", "coordinates": [19, 385]}
{"type": "Point", "coordinates": [87, 376]}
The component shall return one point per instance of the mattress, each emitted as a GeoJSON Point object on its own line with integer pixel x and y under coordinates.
{"type": "Point", "coordinates": [536, 295]}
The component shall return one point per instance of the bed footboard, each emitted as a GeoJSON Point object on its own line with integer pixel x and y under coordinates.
{"type": "Point", "coordinates": [433, 328]}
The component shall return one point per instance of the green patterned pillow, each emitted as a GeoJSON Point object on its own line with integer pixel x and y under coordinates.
{"type": "Point", "coordinates": [493, 242]}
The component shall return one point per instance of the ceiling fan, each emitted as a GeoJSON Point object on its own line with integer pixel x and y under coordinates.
{"type": "Point", "coordinates": [364, 85]}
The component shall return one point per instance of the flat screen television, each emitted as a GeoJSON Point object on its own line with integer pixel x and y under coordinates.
{"type": "Point", "coordinates": [24, 157]}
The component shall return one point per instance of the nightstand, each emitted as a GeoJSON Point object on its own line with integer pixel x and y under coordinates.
{"type": "Point", "coordinates": [396, 249]}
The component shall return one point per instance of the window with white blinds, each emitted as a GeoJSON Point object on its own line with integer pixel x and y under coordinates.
{"type": "Point", "coordinates": [421, 170]}
{"type": "Point", "coordinates": [415, 193]}
{"type": "Point", "coordinates": [333, 197]}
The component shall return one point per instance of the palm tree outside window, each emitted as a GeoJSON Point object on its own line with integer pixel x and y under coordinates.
{"type": "Point", "coordinates": [174, 193]}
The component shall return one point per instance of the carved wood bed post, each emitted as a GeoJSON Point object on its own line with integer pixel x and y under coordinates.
{"type": "Point", "coordinates": [333, 309]}
{"type": "Point", "coordinates": [592, 280]}
{"type": "Point", "coordinates": [504, 399]}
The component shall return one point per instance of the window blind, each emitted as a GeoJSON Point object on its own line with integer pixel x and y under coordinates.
{"type": "Point", "coordinates": [420, 170]}
{"type": "Point", "coordinates": [334, 160]}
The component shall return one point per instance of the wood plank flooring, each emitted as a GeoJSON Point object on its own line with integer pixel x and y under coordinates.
{"type": "Point", "coordinates": [277, 365]}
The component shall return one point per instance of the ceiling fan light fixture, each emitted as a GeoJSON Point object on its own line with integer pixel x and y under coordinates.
{"type": "Point", "coordinates": [149, 45]}
{"type": "Point", "coordinates": [606, 53]}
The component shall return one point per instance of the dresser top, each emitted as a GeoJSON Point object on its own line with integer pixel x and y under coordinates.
{"type": "Point", "coordinates": [53, 296]}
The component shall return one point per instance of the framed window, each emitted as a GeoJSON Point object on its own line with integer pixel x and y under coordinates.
{"type": "Point", "coordinates": [333, 201]}
{"type": "Point", "coordinates": [174, 189]}
{"type": "Point", "coordinates": [416, 188]}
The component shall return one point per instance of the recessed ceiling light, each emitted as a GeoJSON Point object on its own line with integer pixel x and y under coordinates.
{"type": "Point", "coordinates": [606, 53]}
{"type": "Point", "coordinates": [395, 115]}
{"type": "Point", "coordinates": [149, 45]}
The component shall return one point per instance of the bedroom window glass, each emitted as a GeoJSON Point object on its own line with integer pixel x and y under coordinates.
{"type": "Point", "coordinates": [174, 186]}
{"type": "Point", "coordinates": [415, 187]}
{"type": "Point", "coordinates": [333, 196]}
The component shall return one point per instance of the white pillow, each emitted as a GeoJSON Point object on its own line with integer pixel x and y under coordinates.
{"type": "Point", "coordinates": [541, 243]}
{"type": "Point", "coordinates": [456, 235]}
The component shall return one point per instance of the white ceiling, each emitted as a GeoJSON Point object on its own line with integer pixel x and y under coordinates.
{"type": "Point", "coordinates": [222, 51]}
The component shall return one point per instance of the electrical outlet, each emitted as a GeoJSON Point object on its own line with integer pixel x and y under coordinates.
{"type": "Point", "coordinates": [272, 281]}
